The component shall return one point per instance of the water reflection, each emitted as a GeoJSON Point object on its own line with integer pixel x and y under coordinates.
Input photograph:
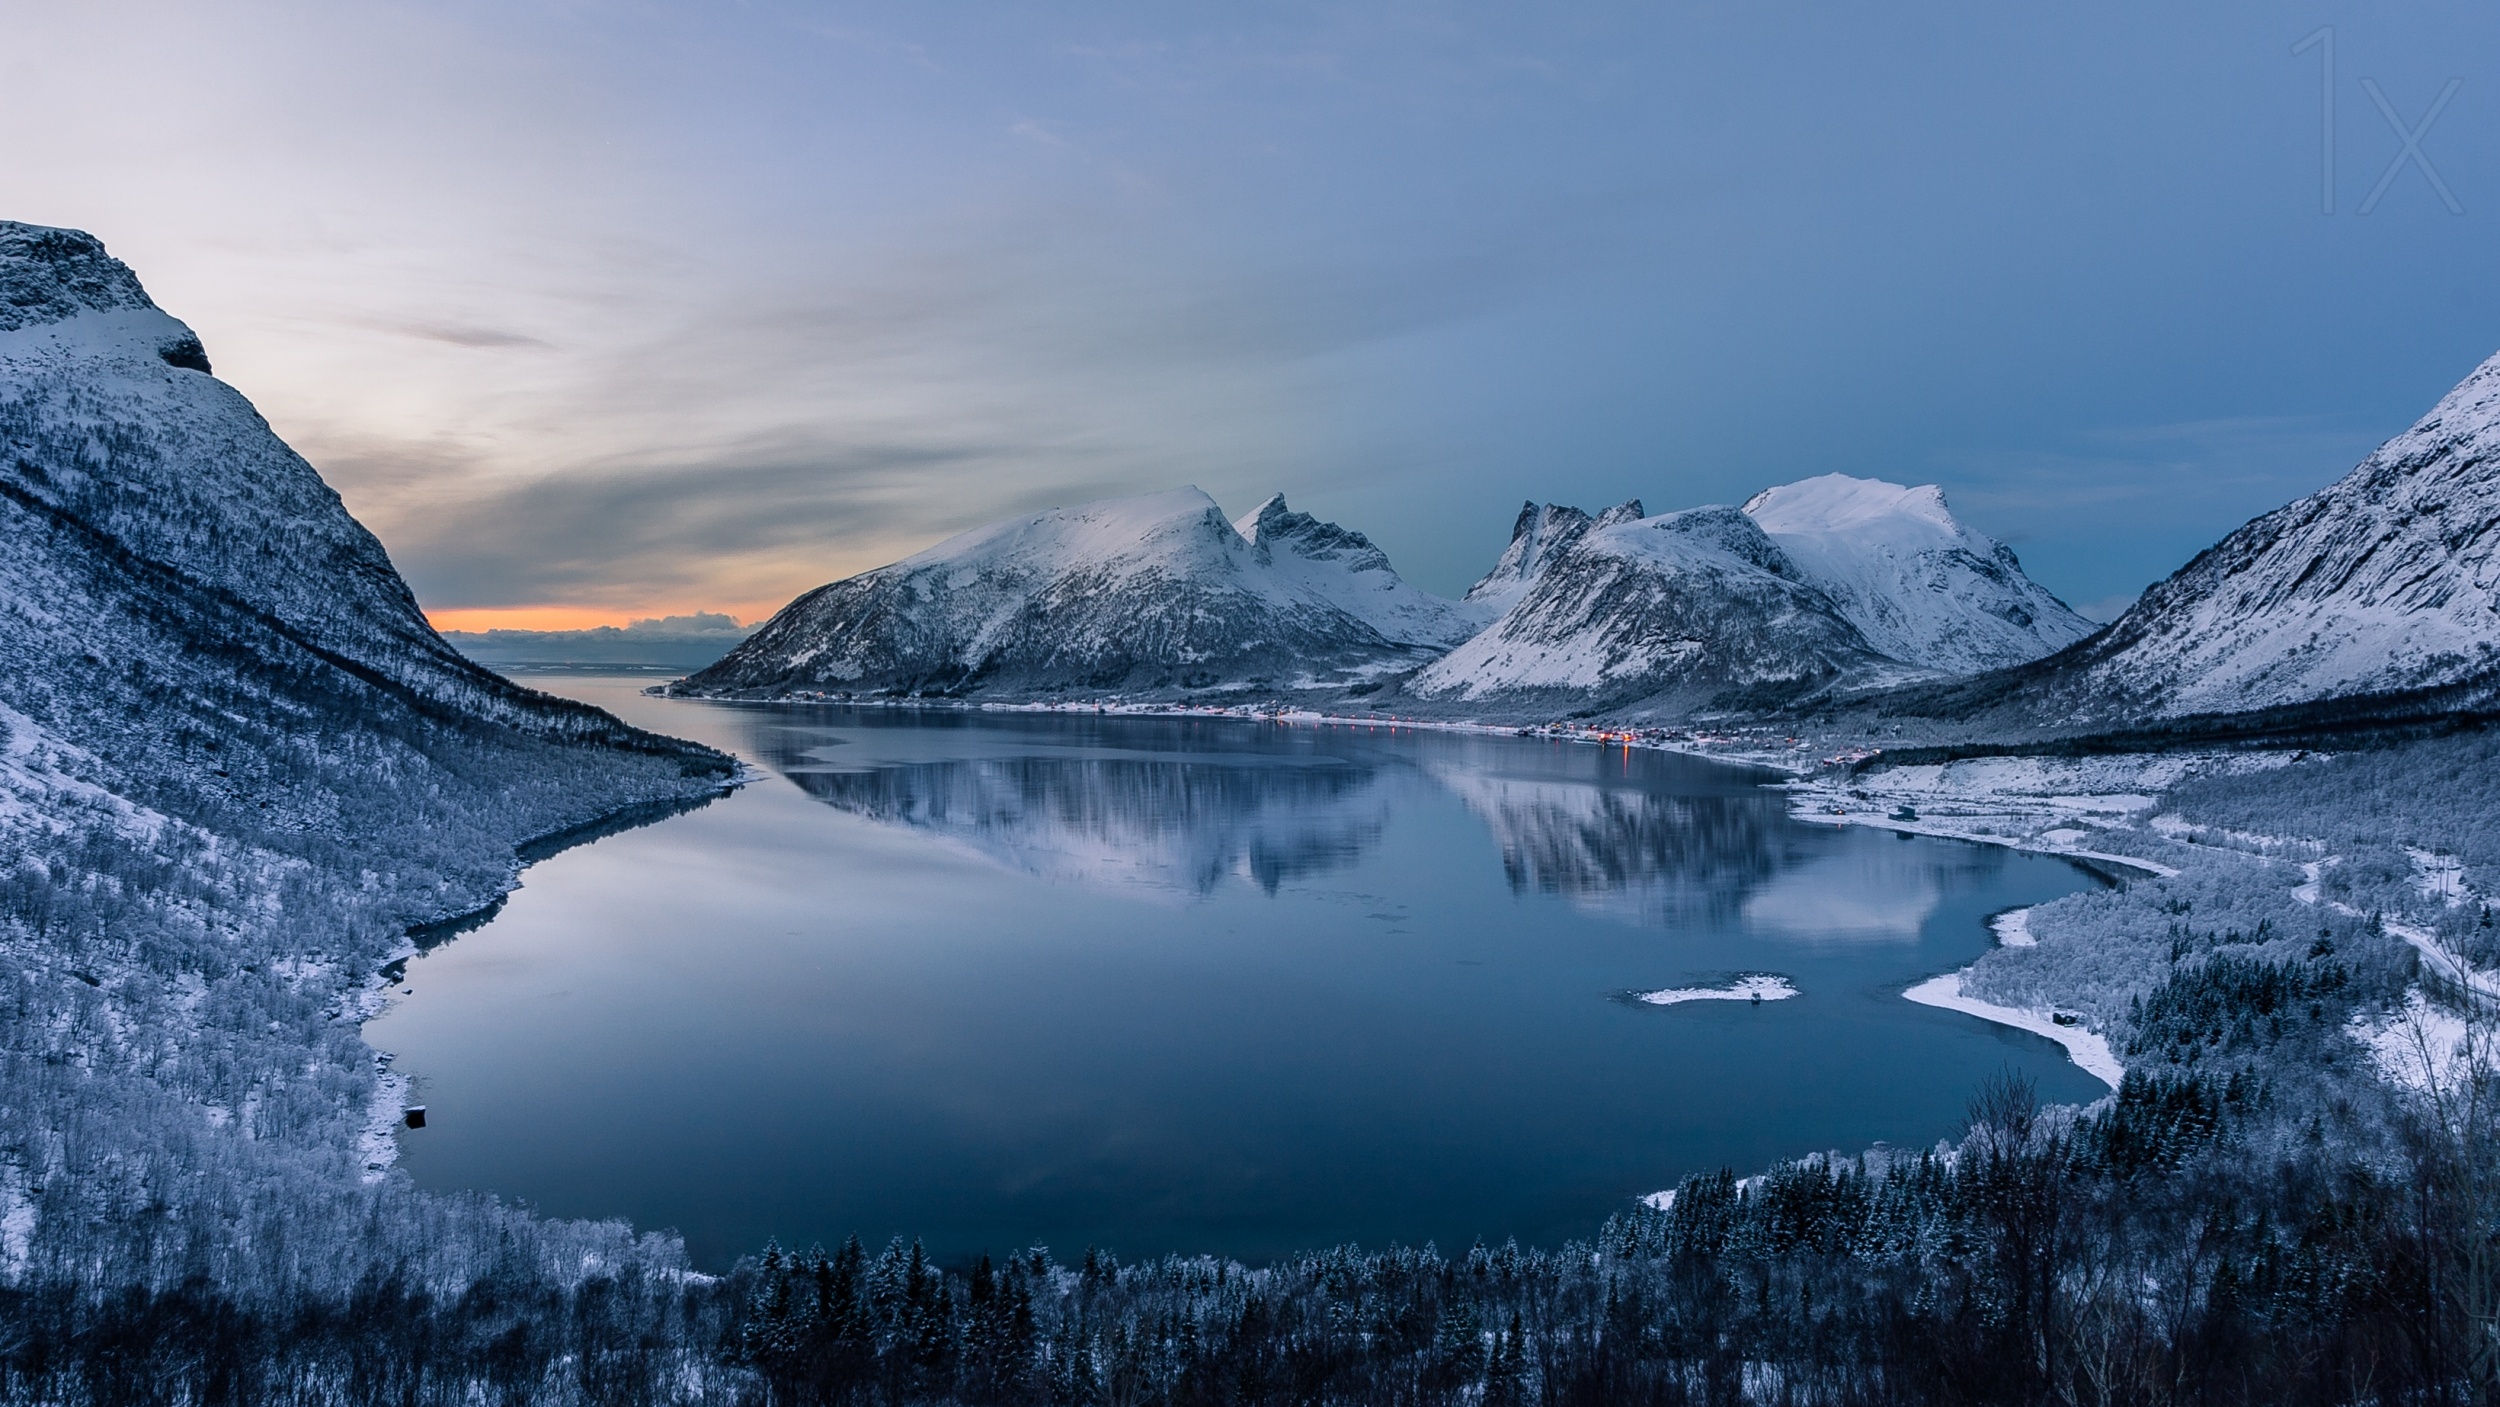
{"type": "Point", "coordinates": [1648, 856]}
{"type": "Point", "coordinates": [1650, 839]}
{"type": "Point", "coordinates": [1126, 822]}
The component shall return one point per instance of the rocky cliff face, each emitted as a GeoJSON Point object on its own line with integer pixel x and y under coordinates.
{"type": "Point", "coordinates": [1142, 596]}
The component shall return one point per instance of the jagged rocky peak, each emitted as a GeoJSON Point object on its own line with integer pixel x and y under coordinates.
{"type": "Point", "coordinates": [1273, 525]}
{"type": "Point", "coordinates": [51, 278]}
{"type": "Point", "coordinates": [1920, 585]}
{"type": "Point", "coordinates": [47, 275]}
{"type": "Point", "coordinates": [2386, 582]}
{"type": "Point", "coordinates": [1539, 535]}
{"type": "Point", "coordinates": [1348, 570]}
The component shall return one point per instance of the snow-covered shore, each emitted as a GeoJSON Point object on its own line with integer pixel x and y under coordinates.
{"type": "Point", "coordinates": [2088, 1049]}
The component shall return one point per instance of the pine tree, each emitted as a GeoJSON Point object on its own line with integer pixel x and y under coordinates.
{"type": "Point", "coordinates": [1506, 1378]}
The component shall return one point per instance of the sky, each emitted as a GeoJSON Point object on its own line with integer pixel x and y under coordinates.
{"type": "Point", "coordinates": [601, 311]}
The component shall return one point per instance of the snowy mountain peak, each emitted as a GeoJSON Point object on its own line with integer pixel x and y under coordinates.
{"type": "Point", "coordinates": [1922, 587]}
{"type": "Point", "coordinates": [49, 275]}
{"type": "Point", "coordinates": [1147, 594]}
{"type": "Point", "coordinates": [62, 295]}
{"type": "Point", "coordinates": [1832, 581]}
{"type": "Point", "coordinates": [1694, 610]}
{"type": "Point", "coordinates": [1840, 503]}
{"type": "Point", "coordinates": [1115, 534]}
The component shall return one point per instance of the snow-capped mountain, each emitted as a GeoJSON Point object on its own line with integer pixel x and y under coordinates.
{"type": "Point", "coordinates": [1682, 611]}
{"type": "Point", "coordinates": [1829, 581]}
{"type": "Point", "coordinates": [2386, 582]}
{"type": "Point", "coordinates": [1149, 594]}
{"type": "Point", "coordinates": [1918, 584]}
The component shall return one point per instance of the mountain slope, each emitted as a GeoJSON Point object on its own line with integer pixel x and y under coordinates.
{"type": "Point", "coordinates": [2383, 585]}
{"type": "Point", "coordinates": [1150, 594]}
{"type": "Point", "coordinates": [1922, 588]}
{"type": "Point", "coordinates": [235, 768]}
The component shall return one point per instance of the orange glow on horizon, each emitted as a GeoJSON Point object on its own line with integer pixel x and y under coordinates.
{"type": "Point", "coordinates": [484, 618]}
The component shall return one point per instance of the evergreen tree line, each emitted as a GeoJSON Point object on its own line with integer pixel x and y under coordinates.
{"type": "Point", "coordinates": [2178, 1244]}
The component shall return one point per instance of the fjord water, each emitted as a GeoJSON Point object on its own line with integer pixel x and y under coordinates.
{"type": "Point", "coordinates": [992, 979]}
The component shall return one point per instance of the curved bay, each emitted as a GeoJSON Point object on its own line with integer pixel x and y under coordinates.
{"type": "Point", "coordinates": [1189, 985]}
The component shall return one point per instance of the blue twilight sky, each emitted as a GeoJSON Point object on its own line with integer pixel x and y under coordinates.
{"type": "Point", "coordinates": [631, 308]}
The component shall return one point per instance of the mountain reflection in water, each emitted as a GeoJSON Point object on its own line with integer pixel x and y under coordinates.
{"type": "Point", "coordinates": [1650, 838]}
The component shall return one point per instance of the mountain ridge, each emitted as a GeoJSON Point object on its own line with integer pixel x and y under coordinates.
{"type": "Point", "coordinates": [2376, 597]}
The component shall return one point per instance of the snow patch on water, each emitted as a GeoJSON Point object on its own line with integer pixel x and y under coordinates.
{"type": "Point", "coordinates": [1756, 987]}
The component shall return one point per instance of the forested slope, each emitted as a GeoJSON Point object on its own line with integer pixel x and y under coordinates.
{"type": "Point", "coordinates": [236, 767]}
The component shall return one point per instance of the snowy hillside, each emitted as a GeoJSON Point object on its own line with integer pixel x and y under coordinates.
{"type": "Point", "coordinates": [1147, 594]}
{"type": "Point", "coordinates": [1920, 586]}
{"type": "Point", "coordinates": [120, 435]}
{"type": "Point", "coordinates": [2385, 582]}
{"type": "Point", "coordinates": [235, 767]}
{"type": "Point", "coordinates": [1690, 610]}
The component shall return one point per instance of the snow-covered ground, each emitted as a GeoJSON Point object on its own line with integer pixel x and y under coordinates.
{"type": "Point", "coordinates": [2091, 808]}
{"type": "Point", "coordinates": [2424, 1047]}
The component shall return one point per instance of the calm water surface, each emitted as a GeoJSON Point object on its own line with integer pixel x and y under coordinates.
{"type": "Point", "coordinates": [1159, 985]}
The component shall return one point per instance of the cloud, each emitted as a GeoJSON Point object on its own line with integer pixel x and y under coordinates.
{"type": "Point", "coordinates": [477, 337]}
{"type": "Point", "coordinates": [739, 440]}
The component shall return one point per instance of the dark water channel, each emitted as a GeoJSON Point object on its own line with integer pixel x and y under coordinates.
{"type": "Point", "coordinates": [1158, 985]}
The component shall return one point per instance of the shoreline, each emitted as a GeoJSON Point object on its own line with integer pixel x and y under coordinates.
{"type": "Point", "coordinates": [2088, 1049]}
{"type": "Point", "coordinates": [377, 1143]}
